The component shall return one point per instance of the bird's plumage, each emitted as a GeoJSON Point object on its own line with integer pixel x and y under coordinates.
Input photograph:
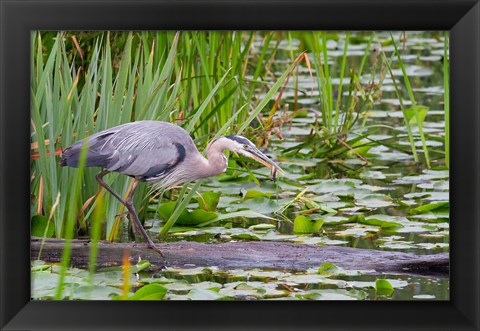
{"type": "Point", "coordinates": [143, 149]}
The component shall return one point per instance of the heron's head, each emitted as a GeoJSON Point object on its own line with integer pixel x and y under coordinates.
{"type": "Point", "coordinates": [243, 146]}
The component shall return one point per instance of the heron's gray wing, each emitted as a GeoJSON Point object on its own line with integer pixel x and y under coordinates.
{"type": "Point", "coordinates": [147, 162]}
{"type": "Point", "coordinates": [141, 149]}
{"type": "Point", "coordinates": [147, 149]}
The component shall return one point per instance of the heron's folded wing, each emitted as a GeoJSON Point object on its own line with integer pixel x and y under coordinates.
{"type": "Point", "coordinates": [142, 149]}
{"type": "Point", "coordinates": [148, 152]}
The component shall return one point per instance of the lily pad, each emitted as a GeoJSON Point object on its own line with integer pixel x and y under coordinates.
{"type": "Point", "coordinates": [435, 206]}
{"type": "Point", "coordinates": [150, 292]}
{"type": "Point", "coordinates": [95, 292]}
{"type": "Point", "coordinates": [204, 294]}
{"type": "Point", "coordinates": [187, 217]}
{"type": "Point", "coordinates": [336, 294]}
{"type": "Point", "coordinates": [380, 223]}
{"type": "Point", "coordinates": [374, 200]}
{"type": "Point", "coordinates": [383, 287]}
{"type": "Point", "coordinates": [261, 205]}
{"type": "Point", "coordinates": [303, 224]}
{"type": "Point", "coordinates": [262, 227]}
{"type": "Point", "coordinates": [209, 200]}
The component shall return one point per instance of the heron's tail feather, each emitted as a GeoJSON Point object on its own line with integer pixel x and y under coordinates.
{"type": "Point", "coordinates": [95, 156]}
{"type": "Point", "coordinates": [71, 157]}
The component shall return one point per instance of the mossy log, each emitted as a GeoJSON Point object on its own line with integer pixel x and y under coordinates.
{"type": "Point", "coordinates": [246, 255]}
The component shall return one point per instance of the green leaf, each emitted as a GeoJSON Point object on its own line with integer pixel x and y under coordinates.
{"type": "Point", "coordinates": [187, 217]}
{"type": "Point", "coordinates": [261, 205]}
{"type": "Point", "coordinates": [435, 206]}
{"type": "Point", "coordinates": [150, 292]}
{"type": "Point", "coordinates": [262, 227]}
{"type": "Point", "coordinates": [327, 268]}
{"type": "Point", "coordinates": [141, 265]}
{"type": "Point", "coordinates": [209, 200]}
{"type": "Point", "coordinates": [40, 226]}
{"type": "Point", "coordinates": [334, 294]}
{"type": "Point", "coordinates": [378, 222]}
{"type": "Point", "coordinates": [328, 210]}
{"type": "Point", "coordinates": [383, 287]}
{"type": "Point", "coordinates": [39, 265]}
{"type": "Point", "coordinates": [95, 292]}
{"type": "Point", "coordinates": [302, 224]}
{"type": "Point", "coordinates": [204, 294]}
{"type": "Point", "coordinates": [198, 216]}
{"type": "Point", "coordinates": [241, 213]}
{"type": "Point", "coordinates": [410, 114]}
{"type": "Point", "coordinates": [250, 194]}
{"type": "Point", "coordinates": [166, 209]}
{"type": "Point", "coordinates": [375, 200]}
{"type": "Point", "coordinates": [181, 206]}
{"type": "Point", "coordinates": [44, 284]}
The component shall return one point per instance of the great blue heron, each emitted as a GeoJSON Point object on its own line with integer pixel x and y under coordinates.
{"type": "Point", "coordinates": [159, 153]}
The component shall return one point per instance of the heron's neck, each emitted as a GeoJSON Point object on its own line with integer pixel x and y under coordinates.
{"type": "Point", "coordinates": [214, 164]}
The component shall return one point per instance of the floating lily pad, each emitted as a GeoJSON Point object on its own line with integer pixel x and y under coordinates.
{"type": "Point", "coordinates": [313, 279]}
{"type": "Point", "coordinates": [374, 200]}
{"type": "Point", "coordinates": [209, 200]}
{"type": "Point", "coordinates": [95, 292]}
{"type": "Point", "coordinates": [435, 206]}
{"type": "Point", "coordinates": [338, 294]}
{"type": "Point", "coordinates": [187, 217]}
{"type": "Point", "coordinates": [380, 223]}
{"type": "Point", "coordinates": [262, 227]}
{"type": "Point", "coordinates": [303, 224]}
{"type": "Point", "coordinates": [335, 186]}
{"type": "Point", "coordinates": [256, 194]}
{"type": "Point", "coordinates": [150, 292]}
{"type": "Point", "coordinates": [261, 205]}
{"type": "Point", "coordinates": [383, 287]}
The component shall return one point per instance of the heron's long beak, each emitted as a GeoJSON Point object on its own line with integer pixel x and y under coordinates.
{"type": "Point", "coordinates": [255, 154]}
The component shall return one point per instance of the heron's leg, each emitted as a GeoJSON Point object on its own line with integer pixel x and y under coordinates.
{"type": "Point", "coordinates": [133, 214]}
{"type": "Point", "coordinates": [129, 204]}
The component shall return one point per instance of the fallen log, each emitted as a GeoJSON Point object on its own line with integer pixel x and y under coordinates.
{"type": "Point", "coordinates": [245, 255]}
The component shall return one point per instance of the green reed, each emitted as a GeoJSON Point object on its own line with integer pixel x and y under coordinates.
{"type": "Point", "coordinates": [415, 108]}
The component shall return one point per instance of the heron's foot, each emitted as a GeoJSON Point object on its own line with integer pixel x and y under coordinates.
{"type": "Point", "coordinates": [155, 248]}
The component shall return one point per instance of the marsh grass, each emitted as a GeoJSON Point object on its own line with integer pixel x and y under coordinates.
{"type": "Point", "coordinates": [340, 109]}
{"type": "Point", "coordinates": [82, 84]}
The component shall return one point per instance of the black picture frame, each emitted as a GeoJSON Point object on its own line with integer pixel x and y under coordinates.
{"type": "Point", "coordinates": [18, 18]}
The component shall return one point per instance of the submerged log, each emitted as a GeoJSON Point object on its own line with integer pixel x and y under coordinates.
{"type": "Point", "coordinates": [245, 255]}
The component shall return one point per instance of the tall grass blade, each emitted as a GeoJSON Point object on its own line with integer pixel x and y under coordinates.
{"type": "Point", "coordinates": [413, 101]}
{"type": "Point", "coordinates": [266, 99]}
{"type": "Point", "coordinates": [182, 203]}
